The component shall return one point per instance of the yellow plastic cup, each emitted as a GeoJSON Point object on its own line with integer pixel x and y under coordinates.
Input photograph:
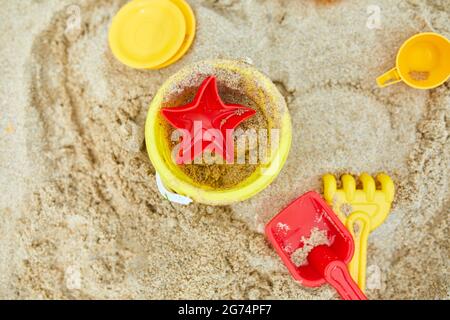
{"type": "Point", "coordinates": [257, 87]}
{"type": "Point", "coordinates": [423, 62]}
{"type": "Point", "coordinates": [149, 34]}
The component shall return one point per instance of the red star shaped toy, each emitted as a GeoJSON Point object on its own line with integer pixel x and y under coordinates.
{"type": "Point", "coordinates": [207, 123]}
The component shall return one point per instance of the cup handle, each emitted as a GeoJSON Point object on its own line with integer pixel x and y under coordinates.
{"type": "Point", "coordinates": [388, 78]}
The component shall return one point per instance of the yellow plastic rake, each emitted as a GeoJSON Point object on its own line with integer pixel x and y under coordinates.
{"type": "Point", "coordinates": [361, 211]}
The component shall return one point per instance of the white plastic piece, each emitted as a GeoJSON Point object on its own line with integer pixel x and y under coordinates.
{"type": "Point", "coordinates": [172, 197]}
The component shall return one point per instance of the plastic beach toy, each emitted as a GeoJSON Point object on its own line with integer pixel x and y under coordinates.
{"type": "Point", "coordinates": [190, 32]}
{"type": "Point", "coordinates": [211, 115]}
{"type": "Point", "coordinates": [423, 62]}
{"type": "Point", "coordinates": [324, 263]}
{"type": "Point", "coordinates": [361, 211]}
{"type": "Point", "coordinates": [248, 81]}
{"type": "Point", "coordinates": [151, 34]}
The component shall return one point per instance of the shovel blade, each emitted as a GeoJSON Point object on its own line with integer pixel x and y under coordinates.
{"type": "Point", "coordinates": [285, 232]}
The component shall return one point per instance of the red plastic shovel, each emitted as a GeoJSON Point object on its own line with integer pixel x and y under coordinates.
{"type": "Point", "coordinates": [325, 263]}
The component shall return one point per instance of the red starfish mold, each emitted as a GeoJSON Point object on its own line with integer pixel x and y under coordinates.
{"type": "Point", "coordinates": [207, 123]}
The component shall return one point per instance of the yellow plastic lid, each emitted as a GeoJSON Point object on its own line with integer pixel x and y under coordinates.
{"type": "Point", "coordinates": [147, 33]}
{"type": "Point", "coordinates": [190, 32]}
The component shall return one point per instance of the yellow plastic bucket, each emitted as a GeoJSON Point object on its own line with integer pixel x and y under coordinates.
{"type": "Point", "coordinates": [240, 76]}
{"type": "Point", "coordinates": [423, 62]}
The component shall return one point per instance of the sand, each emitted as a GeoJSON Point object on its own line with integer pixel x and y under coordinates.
{"type": "Point", "coordinates": [80, 214]}
{"type": "Point", "coordinates": [316, 238]}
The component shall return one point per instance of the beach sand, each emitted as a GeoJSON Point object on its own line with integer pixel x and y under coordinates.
{"type": "Point", "coordinates": [80, 214]}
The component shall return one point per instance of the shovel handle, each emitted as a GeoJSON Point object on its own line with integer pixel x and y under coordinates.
{"type": "Point", "coordinates": [337, 275]}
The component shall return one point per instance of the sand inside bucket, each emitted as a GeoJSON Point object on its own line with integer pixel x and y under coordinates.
{"type": "Point", "coordinates": [221, 175]}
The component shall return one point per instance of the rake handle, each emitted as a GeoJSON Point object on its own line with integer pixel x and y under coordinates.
{"type": "Point", "coordinates": [357, 265]}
